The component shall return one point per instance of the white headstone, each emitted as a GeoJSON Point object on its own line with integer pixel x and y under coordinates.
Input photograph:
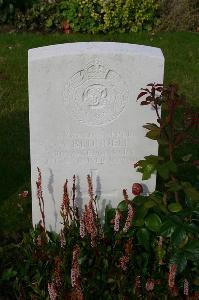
{"type": "Point", "coordinates": [84, 119]}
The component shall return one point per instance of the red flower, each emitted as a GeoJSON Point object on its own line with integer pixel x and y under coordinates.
{"type": "Point", "coordinates": [137, 189]}
{"type": "Point", "coordinates": [66, 27]}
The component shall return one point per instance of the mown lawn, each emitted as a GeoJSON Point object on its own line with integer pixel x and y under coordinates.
{"type": "Point", "coordinates": [181, 51]}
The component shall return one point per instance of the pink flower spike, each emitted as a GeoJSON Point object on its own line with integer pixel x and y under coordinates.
{"type": "Point", "coordinates": [131, 212]}
{"type": "Point", "coordinates": [186, 287]}
{"type": "Point", "coordinates": [117, 221]}
{"type": "Point", "coordinates": [82, 229]}
{"type": "Point", "coordinates": [52, 291]}
{"type": "Point", "coordinates": [75, 268]}
{"type": "Point", "coordinates": [150, 285]}
{"type": "Point", "coordinates": [172, 274]}
{"type": "Point", "coordinates": [62, 239]}
{"type": "Point", "coordinates": [123, 262]}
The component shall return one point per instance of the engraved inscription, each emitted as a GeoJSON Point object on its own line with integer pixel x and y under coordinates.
{"type": "Point", "coordinates": [96, 95]}
{"type": "Point", "coordinates": [74, 148]}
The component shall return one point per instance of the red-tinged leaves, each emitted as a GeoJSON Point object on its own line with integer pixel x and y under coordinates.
{"type": "Point", "coordinates": [149, 99]}
{"type": "Point", "coordinates": [159, 89]}
{"type": "Point", "coordinates": [136, 164]}
{"type": "Point", "coordinates": [147, 90]}
{"type": "Point", "coordinates": [150, 84]}
{"type": "Point", "coordinates": [145, 103]}
{"type": "Point", "coordinates": [141, 95]}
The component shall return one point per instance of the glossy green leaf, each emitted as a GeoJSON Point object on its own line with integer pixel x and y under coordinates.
{"type": "Point", "coordinates": [178, 236]}
{"type": "Point", "coordinates": [143, 236]}
{"type": "Point", "coordinates": [191, 227]}
{"type": "Point", "coordinates": [138, 222]}
{"type": "Point", "coordinates": [175, 207]}
{"type": "Point", "coordinates": [153, 222]}
{"type": "Point", "coordinates": [163, 171]}
{"type": "Point", "coordinates": [122, 206]}
{"type": "Point", "coordinates": [141, 211]}
{"type": "Point", "coordinates": [167, 228]}
{"type": "Point", "coordinates": [157, 198]}
{"type": "Point", "coordinates": [192, 193]}
{"type": "Point", "coordinates": [109, 214]}
{"type": "Point", "coordinates": [171, 166]}
{"type": "Point", "coordinates": [139, 200]}
{"type": "Point", "coordinates": [149, 203]}
{"type": "Point", "coordinates": [192, 249]}
{"type": "Point", "coordinates": [173, 186]}
{"type": "Point", "coordinates": [148, 171]}
{"type": "Point", "coordinates": [153, 134]}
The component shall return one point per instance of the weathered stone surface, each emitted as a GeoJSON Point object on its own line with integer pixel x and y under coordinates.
{"type": "Point", "coordinates": [84, 119]}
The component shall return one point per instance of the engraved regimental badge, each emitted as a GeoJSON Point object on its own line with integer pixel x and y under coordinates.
{"type": "Point", "coordinates": [96, 95]}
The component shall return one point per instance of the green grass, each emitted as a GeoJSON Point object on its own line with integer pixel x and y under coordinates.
{"type": "Point", "coordinates": [181, 51]}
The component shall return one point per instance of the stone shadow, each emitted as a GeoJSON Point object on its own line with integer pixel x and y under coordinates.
{"type": "Point", "coordinates": [51, 192]}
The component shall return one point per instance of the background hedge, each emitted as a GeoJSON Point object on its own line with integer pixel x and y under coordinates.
{"type": "Point", "coordinates": [94, 16]}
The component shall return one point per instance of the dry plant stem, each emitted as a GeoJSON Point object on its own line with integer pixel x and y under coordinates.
{"type": "Point", "coordinates": [66, 204]}
{"type": "Point", "coordinates": [40, 198]}
{"type": "Point", "coordinates": [91, 194]}
{"type": "Point", "coordinates": [126, 197]}
{"type": "Point", "coordinates": [96, 209]}
{"type": "Point", "coordinates": [42, 213]}
{"type": "Point", "coordinates": [73, 190]}
{"type": "Point", "coordinates": [75, 210]}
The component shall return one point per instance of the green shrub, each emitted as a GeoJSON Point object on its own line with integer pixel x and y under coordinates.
{"type": "Point", "coordinates": [128, 15]}
{"type": "Point", "coordinates": [91, 15]}
{"type": "Point", "coordinates": [179, 15]}
{"type": "Point", "coordinates": [7, 11]}
{"type": "Point", "coordinates": [82, 15]}
{"type": "Point", "coordinates": [41, 17]}
{"type": "Point", "coordinates": [9, 7]}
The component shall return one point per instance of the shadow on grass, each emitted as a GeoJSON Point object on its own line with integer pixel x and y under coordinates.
{"type": "Point", "coordinates": [14, 153]}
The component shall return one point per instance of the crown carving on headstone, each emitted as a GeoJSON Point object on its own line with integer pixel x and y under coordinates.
{"type": "Point", "coordinates": [97, 70]}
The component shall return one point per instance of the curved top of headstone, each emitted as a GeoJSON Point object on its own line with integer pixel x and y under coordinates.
{"type": "Point", "coordinates": [95, 47]}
